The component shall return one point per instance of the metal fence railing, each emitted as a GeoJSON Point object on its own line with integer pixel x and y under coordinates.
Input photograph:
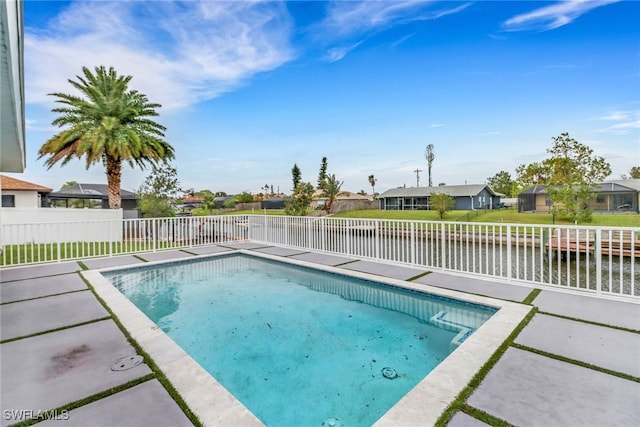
{"type": "Point", "coordinates": [600, 260]}
{"type": "Point", "coordinates": [595, 259]}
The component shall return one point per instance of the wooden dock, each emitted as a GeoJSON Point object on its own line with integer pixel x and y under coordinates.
{"type": "Point", "coordinates": [615, 247]}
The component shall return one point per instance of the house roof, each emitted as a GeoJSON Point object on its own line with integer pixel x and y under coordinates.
{"type": "Point", "coordinates": [617, 186]}
{"type": "Point", "coordinates": [343, 195]}
{"type": "Point", "coordinates": [86, 191]}
{"type": "Point", "coordinates": [633, 183]}
{"type": "Point", "coordinates": [9, 183]}
{"type": "Point", "coordinates": [192, 199]}
{"type": "Point", "coordinates": [451, 190]}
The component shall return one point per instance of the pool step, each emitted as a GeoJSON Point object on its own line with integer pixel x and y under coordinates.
{"type": "Point", "coordinates": [445, 320]}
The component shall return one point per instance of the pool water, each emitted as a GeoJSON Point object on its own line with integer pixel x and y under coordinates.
{"type": "Point", "coordinates": [299, 346]}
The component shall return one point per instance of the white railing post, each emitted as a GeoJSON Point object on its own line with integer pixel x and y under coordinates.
{"type": "Point", "coordinates": [413, 242]}
{"type": "Point", "coordinates": [509, 254]}
{"type": "Point", "coordinates": [598, 255]}
{"type": "Point", "coordinates": [443, 245]}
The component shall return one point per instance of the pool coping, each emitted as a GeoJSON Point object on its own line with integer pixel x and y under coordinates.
{"type": "Point", "coordinates": [422, 405]}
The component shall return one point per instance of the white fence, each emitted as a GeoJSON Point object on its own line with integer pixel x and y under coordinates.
{"type": "Point", "coordinates": [604, 261]}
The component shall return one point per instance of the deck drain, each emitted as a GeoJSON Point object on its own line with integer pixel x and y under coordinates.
{"type": "Point", "coordinates": [127, 362]}
{"type": "Point", "coordinates": [389, 373]}
{"type": "Point", "coordinates": [332, 422]}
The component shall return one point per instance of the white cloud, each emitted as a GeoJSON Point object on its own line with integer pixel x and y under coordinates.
{"type": "Point", "coordinates": [178, 53]}
{"type": "Point", "coordinates": [626, 121]}
{"type": "Point", "coordinates": [615, 115]}
{"type": "Point", "coordinates": [553, 16]}
{"type": "Point", "coordinates": [436, 125]}
{"type": "Point", "coordinates": [337, 53]}
{"type": "Point", "coordinates": [347, 19]}
{"type": "Point", "coordinates": [625, 126]}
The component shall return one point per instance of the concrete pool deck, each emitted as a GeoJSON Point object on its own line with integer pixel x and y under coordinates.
{"type": "Point", "coordinates": [575, 363]}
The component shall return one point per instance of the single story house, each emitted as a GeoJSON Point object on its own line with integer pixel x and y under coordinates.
{"type": "Point", "coordinates": [611, 196]}
{"type": "Point", "coordinates": [95, 196]}
{"type": "Point", "coordinates": [17, 193]}
{"type": "Point", "coordinates": [219, 202]}
{"type": "Point", "coordinates": [345, 200]}
{"type": "Point", "coordinates": [273, 203]}
{"type": "Point", "coordinates": [466, 197]}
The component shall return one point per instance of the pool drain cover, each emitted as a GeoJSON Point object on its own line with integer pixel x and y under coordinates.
{"type": "Point", "coordinates": [127, 362]}
{"type": "Point", "coordinates": [332, 422]}
{"type": "Point", "coordinates": [389, 373]}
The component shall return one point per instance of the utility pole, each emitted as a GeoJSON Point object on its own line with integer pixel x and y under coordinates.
{"type": "Point", "coordinates": [417, 171]}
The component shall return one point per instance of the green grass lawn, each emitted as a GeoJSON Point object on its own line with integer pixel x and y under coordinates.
{"type": "Point", "coordinates": [493, 216]}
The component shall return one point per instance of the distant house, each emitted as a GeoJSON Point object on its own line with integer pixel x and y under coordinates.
{"type": "Point", "coordinates": [273, 203]}
{"type": "Point", "coordinates": [220, 201]}
{"type": "Point", "coordinates": [190, 203]}
{"type": "Point", "coordinates": [345, 200]}
{"type": "Point", "coordinates": [611, 196]}
{"type": "Point", "coordinates": [21, 194]}
{"type": "Point", "coordinates": [95, 196]}
{"type": "Point", "coordinates": [465, 197]}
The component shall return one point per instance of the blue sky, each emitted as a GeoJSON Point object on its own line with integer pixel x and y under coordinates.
{"type": "Point", "coordinates": [250, 88]}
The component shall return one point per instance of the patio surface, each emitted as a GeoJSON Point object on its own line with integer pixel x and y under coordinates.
{"type": "Point", "coordinates": [577, 362]}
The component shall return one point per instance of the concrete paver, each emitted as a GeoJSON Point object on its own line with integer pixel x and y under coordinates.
{"type": "Point", "coordinates": [164, 255]}
{"type": "Point", "coordinates": [115, 261]}
{"type": "Point", "coordinates": [476, 286]}
{"type": "Point", "coordinates": [528, 389]}
{"type": "Point", "coordinates": [20, 273]}
{"type": "Point", "coordinates": [597, 345]}
{"type": "Point", "coordinates": [245, 245]}
{"type": "Point", "coordinates": [323, 259]}
{"type": "Point", "coordinates": [386, 270]}
{"type": "Point", "coordinates": [608, 312]}
{"type": "Point", "coordinates": [40, 287]}
{"type": "Point", "coordinates": [206, 250]}
{"type": "Point", "coordinates": [460, 419]}
{"type": "Point", "coordinates": [47, 371]}
{"type": "Point", "coordinates": [146, 404]}
{"type": "Point", "coordinates": [43, 314]}
{"type": "Point", "coordinates": [281, 251]}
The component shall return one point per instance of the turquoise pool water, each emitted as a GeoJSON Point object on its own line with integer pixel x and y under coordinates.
{"type": "Point", "coordinates": [300, 347]}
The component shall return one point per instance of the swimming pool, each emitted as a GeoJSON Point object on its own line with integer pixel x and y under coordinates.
{"type": "Point", "coordinates": [376, 365]}
{"type": "Point", "coordinates": [299, 346]}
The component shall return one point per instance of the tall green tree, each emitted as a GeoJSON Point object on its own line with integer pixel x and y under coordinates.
{"type": "Point", "coordinates": [570, 172]}
{"type": "Point", "coordinates": [159, 192]}
{"type": "Point", "coordinates": [634, 173]}
{"type": "Point", "coordinates": [502, 183]}
{"type": "Point", "coordinates": [296, 176]}
{"type": "Point", "coordinates": [331, 191]}
{"type": "Point", "coordinates": [107, 123]}
{"type": "Point", "coordinates": [537, 173]}
{"type": "Point", "coordinates": [322, 175]}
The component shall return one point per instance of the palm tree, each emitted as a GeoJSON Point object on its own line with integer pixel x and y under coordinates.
{"type": "Point", "coordinates": [331, 190]}
{"type": "Point", "coordinates": [372, 183]}
{"type": "Point", "coordinates": [110, 124]}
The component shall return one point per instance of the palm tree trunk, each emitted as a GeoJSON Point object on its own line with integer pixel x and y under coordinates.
{"type": "Point", "coordinates": [114, 175]}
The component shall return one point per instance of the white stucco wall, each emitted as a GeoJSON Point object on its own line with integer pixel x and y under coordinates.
{"type": "Point", "coordinates": [23, 199]}
{"type": "Point", "coordinates": [49, 225]}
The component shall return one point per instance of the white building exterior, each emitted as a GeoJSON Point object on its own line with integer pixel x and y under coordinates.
{"type": "Point", "coordinates": [12, 128]}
